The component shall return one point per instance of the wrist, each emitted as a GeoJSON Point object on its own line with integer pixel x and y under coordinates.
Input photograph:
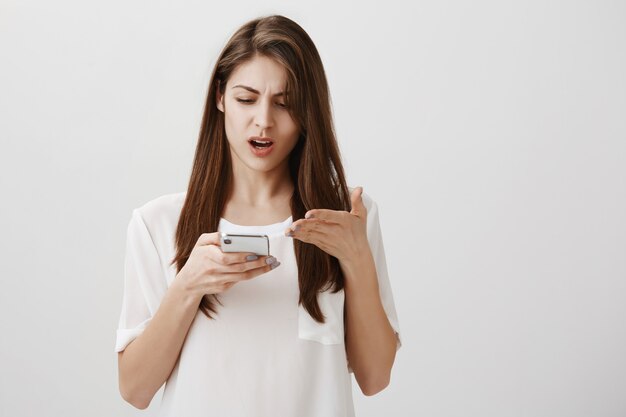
{"type": "Point", "coordinates": [360, 258]}
{"type": "Point", "coordinates": [183, 292]}
{"type": "Point", "coordinates": [361, 269]}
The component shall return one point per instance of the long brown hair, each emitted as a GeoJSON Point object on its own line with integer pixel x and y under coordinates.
{"type": "Point", "coordinates": [314, 163]}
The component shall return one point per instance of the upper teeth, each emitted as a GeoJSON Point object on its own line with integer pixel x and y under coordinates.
{"type": "Point", "coordinates": [262, 141]}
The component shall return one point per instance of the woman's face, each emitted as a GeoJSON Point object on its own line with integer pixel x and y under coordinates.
{"type": "Point", "coordinates": [253, 106]}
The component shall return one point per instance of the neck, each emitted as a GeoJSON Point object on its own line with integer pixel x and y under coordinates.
{"type": "Point", "coordinates": [260, 188]}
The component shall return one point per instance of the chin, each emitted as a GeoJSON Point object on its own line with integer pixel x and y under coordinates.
{"type": "Point", "coordinates": [262, 166]}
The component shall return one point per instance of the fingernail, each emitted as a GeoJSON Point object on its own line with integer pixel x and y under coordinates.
{"type": "Point", "coordinates": [270, 260]}
{"type": "Point", "coordinates": [252, 257]}
{"type": "Point", "coordinates": [274, 265]}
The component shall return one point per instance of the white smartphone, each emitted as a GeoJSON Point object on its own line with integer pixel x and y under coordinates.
{"type": "Point", "coordinates": [258, 244]}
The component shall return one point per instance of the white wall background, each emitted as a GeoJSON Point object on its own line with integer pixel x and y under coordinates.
{"type": "Point", "coordinates": [491, 133]}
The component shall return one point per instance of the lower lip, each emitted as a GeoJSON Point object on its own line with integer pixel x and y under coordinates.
{"type": "Point", "coordinates": [261, 151]}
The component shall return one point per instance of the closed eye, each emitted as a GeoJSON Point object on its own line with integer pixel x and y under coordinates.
{"type": "Point", "coordinates": [241, 100]}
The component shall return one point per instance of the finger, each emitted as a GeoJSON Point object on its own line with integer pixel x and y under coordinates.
{"type": "Point", "coordinates": [232, 258]}
{"type": "Point", "coordinates": [318, 239]}
{"type": "Point", "coordinates": [315, 236]}
{"type": "Point", "coordinates": [241, 267]}
{"type": "Point", "coordinates": [356, 199]}
{"type": "Point", "coordinates": [216, 255]}
{"type": "Point", "coordinates": [259, 271]}
{"type": "Point", "coordinates": [238, 272]}
{"type": "Point", "coordinates": [208, 239]}
{"type": "Point", "coordinates": [229, 284]}
{"type": "Point", "coordinates": [334, 216]}
{"type": "Point", "coordinates": [301, 225]}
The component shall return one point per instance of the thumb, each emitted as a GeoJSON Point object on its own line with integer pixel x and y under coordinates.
{"type": "Point", "coordinates": [358, 208]}
{"type": "Point", "coordinates": [209, 239]}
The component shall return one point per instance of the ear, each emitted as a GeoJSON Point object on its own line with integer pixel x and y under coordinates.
{"type": "Point", "coordinates": [219, 99]}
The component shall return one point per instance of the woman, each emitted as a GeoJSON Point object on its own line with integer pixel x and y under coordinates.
{"type": "Point", "coordinates": [236, 334]}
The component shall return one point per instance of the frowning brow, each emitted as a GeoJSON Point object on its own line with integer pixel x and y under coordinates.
{"type": "Point", "coordinates": [252, 90]}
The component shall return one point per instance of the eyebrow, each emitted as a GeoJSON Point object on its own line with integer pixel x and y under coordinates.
{"type": "Point", "coordinates": [252, 90]}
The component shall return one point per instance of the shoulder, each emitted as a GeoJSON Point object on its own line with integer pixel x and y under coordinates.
{"type": "Point", "coordinates": [161, 210]}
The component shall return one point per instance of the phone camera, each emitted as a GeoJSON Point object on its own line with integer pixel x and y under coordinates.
{"type": "Point", "coordinates": [227, 241]}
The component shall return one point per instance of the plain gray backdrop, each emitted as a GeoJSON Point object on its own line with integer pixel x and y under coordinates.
{"type": "Point", "coordinates": [492, 134]}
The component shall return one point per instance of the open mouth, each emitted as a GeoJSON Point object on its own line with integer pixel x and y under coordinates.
{"type": "Point", "coordinates": [261, 144]}
{"type": "Point", "coordinates": [261, 147]}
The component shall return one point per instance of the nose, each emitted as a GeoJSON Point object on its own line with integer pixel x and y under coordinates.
{"type": "Point", "coordinates": [264, 118]}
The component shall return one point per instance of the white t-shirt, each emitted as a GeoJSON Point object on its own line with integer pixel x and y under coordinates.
{"type": "Point", "coordinates": [263, 355]}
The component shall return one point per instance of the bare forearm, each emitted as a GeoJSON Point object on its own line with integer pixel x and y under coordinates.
{"type": "Point", "coordinates": [370, 339]}
{"type": "Point", "coordinates": [147, 362]}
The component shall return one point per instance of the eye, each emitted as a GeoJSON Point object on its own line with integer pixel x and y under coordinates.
{"type": "Point", "coordinates": [241, 100]}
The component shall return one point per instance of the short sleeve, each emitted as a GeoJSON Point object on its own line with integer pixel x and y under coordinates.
{"type": "Point", "coordinates": [144, 282]}
{"type": "Point", "coordinates": [375, 239]}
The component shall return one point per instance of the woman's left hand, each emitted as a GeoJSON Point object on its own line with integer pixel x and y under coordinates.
{"type": "Point", "coordinates": [337, 232]}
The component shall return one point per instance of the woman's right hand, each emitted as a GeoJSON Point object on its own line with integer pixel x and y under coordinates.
{"type": "Point", "coordinates": [211, 271]}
